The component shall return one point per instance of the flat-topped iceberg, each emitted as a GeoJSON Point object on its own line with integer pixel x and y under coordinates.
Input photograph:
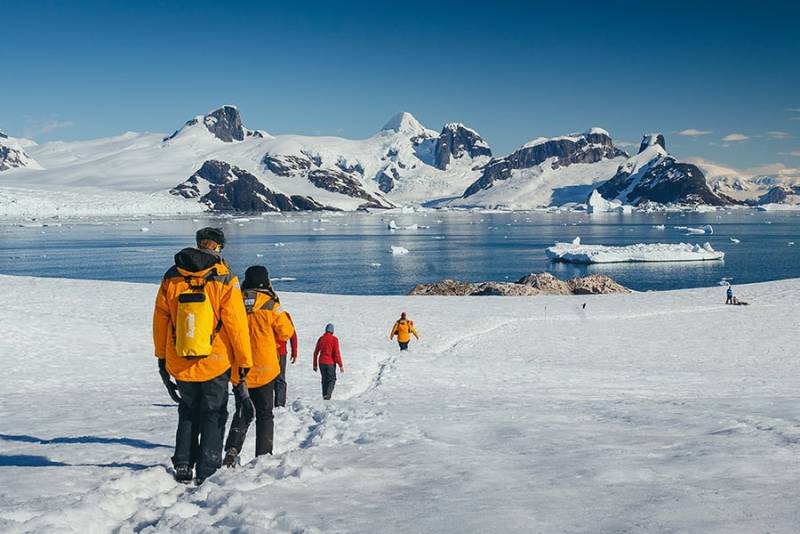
{"type": "Point", "coordinates": [575, 252]}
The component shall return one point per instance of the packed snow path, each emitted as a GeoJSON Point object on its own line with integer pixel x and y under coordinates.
{"type": "Point", "coordinates": [652, 412]}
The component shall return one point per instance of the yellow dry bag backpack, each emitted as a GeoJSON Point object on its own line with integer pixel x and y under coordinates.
{"type": "Point", "coordinates": [196, 325]}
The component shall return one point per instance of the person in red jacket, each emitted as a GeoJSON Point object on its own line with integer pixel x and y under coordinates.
{"type": "Point", "coordinates": [327, 354]}
{"type": "Point", "coordinates": [280, 381]}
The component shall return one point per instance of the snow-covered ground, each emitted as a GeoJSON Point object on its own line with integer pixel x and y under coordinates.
{"type": "Point", "coordinates": [576, 252]}
{"type": "Point", "coordinates": [649, 412]}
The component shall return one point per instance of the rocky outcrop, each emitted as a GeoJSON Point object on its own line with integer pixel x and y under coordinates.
{"type": "Point", "coordinates": [529, 285]}
{"type": "Point", "coordinates": [387, 178]}
{"type": "Point", "coordinates": [455, 141]}
{"type": "Point", "coordinates": [224, 123]}
{"type": "Point", "coordinates": [224, 187]}
{"type": "Point", "coordinates": [655, 176]}
{"type": "Point", "coordinates": [589, 147]}
{"type": "Point", "coordinates": [345, 184]}
{"type": "Point", "coordinates": [780, 194]}
{"type": "Point", "coordinates": [13, 156]}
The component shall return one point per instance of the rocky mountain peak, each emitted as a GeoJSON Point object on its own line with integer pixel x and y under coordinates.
{"type": "Point", "coordinates": [404, 122]}
{"type": "Point", "coordinates": [455, 141]}
{"type": "Point", "coordinates": [652, 139]}
{"type": "Point", "coordinates": [224, 123]}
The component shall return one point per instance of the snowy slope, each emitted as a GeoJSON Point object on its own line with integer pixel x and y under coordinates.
{"type": "Point", "coordinates": [13, 155]}
{"type": "Point", "coordinates": [651, 412]}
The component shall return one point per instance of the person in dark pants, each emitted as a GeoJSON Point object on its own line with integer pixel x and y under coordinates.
{"type": "Point", "coordinates": [327, 356]}
{"type": "Point", "coordinates": [403, 328]}
{"type": "Point", "coordinates": [280, 381]}
{"type": "Point", "coordinates": [202, 414]}
{"type": "Point", "coordinates": [268, 326]}
{"type": "Point", "coordinates": [729, 295]}
{"type": "Point", "coordinates": [199, 328]}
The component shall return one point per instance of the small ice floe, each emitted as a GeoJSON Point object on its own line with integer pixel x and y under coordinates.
{"type": "Point", "coordinates": [438, 237]}
{"type": "Point", "coordinates": [374, 264]}
{"type": "Point", "coordinates": [576, 241]}
{"type": "Point", "coordinates": [241, 220]}
{"type": "Point", "coordinates": [259, 255]}
{"type": "Point", "coordinates": [791, 243]}
{"type": "Point", "coordinates": [318, 229]}
{"type": "Point", "coordinates": [399, 251]}
{"type": "Point", "coordinates": [659, 227]}
{"type": "Point", "coordinates": [195, 220]}
{"type": "Point", "coordinates": [279, 244]}
{"type": "Point", "coordinates": [424, 227]}
{"type": "Point", "coordinates": [144, 229]}
{"type": "Point", "coordinates": [392, 225]}
{"type": "Point", "coordinates": [411, 227]}
{"type": "Point", "coordinates": [734, 240]}
{"type": "Point", "coordinates": [284, 279]}
{"type": "Point", "coordinates": [707, 230]}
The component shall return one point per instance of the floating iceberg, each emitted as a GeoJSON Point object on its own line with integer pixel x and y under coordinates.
{"type": "Point", "coordinates": [597, 204]}
{"type": "Point", "coordinates": [399, 251]}
{"type": "Point", "coordinates": [652, 252]}
{"type": "Point", "coordinates": [392, 225]}
{"type": "Point", "coordinates": [707, 230]}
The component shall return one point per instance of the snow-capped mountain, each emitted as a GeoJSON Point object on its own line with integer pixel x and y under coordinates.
{"type": "Point", "coordinates": [13, 155]}
{"type": "Point", "coordinates": [545, 172]}
{"type": "Point", "coordinates": [771, 185]}
{"type": "Point", "coordinates": [224, 123]}
{"type": "Point", "coordinates": [653, 175]}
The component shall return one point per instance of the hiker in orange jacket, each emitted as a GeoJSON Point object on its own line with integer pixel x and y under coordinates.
{"type": "Point", "coordinates": [268, 325]}
{"type": "Point", "coordinates": [403, 328]}
{"type": "Point", "coordinates": [199, 328]}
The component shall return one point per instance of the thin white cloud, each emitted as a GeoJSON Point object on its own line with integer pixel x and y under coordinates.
{"type": "Point", "coordinates": [735, 137]}
{"type": "Point", "coordinates": [693, 132]}
{"type": "Point", "coordinates": [778, 135]}
{"type": "Point", "coordinates": [625, 144]}
{"type": "Point", "coordinates": [792, 153]}
{"type": "Point", "coordinates": [793, 110]}
{"type": "Point", "coordinates": [38, 127]}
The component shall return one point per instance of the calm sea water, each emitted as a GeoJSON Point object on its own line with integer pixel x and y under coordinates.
{"type": "Point", "coordinates": [350, 253]}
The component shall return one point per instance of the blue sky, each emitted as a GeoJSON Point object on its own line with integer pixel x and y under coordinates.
{"type": "Point", "coordinates": [511, 70]}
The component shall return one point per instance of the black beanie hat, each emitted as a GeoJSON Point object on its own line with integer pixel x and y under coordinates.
{"type": "Point", "coordinates": [214, 234]}
{"type": "Point", "coordinates": [256, 277]}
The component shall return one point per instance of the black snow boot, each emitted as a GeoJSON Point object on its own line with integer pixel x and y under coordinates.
{"type": "Point", "coordinates": [183, 473]}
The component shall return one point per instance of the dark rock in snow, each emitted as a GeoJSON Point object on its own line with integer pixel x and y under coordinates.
{"type": "Point", "coordinates": [589, 147]}
{"type": "Point", "coordinates": [455, 141]}
{"type": "Point", "coordinates": [530, 285]}
{"type": "Point", "coordinates": [233, 189]}
{"type": "Point", "coordinates": [776, 195]}
{"type": "Point", "coordinates": [224, 123]}
{"type": "Point", "coordinates": [662, 180]}
{"type": "Point", "coordinates": [652, 139]}
{"type": "Point", "coordinates": [386, 178]}
{"type": "Point", "coordinates": [338, 182]}
{"type": "Point", "coordinates": [287, 165]}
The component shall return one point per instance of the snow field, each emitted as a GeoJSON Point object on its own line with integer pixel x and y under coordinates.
{"type": "Point", "coordinates": [651, 412]}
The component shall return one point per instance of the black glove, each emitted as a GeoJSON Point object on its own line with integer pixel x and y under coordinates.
{"type": "Point", "coordinates": [172, 387]}
{"type": "Point", "coordinates": [245, 408]}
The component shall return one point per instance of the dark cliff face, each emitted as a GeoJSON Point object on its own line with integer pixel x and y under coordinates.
{"type": "Point", "coordinates": [652, 139]}
{"type": "Point", "coordinates": [455, 141]}
{"type": "Point", "coordinates": [234, 189]}
{"type": "Point", "coordinates": [584, 148]}
{"type": "Point", "coordinates": [663, 180]}
{"type": "Point", "coordinates": [224, 123]}
{"type": "Point", "coordinates": [344, 178]}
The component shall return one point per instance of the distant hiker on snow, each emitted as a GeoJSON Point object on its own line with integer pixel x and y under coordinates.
{"type": "Point", "coordinates": [403, 328]}
{"type": "Point", "coordinates": [268, 325]}
{"type": "Point", "coordinates": [328, 356]}
{"type": "Point", "coordinates": [729, 294]}
{"type": "Point", "coordinates": [280, 382]}
{"type": "Point", "coordinates": [199, 328]}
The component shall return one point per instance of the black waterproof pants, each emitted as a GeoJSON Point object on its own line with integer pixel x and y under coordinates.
{"type": "Point", "coordinates": [202, 414]}
{"type": "Point", "coordinates": [328, 375]}
{"type": "Point", "coordinates": [403, 345]}
{"type": "Point", "coordinates": [280, 383]}
{"type": "Point", "coordinates": [265, 427]}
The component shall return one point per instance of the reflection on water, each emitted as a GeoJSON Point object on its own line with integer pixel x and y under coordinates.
{"type": "Point", "coordinates": [350, 253]}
